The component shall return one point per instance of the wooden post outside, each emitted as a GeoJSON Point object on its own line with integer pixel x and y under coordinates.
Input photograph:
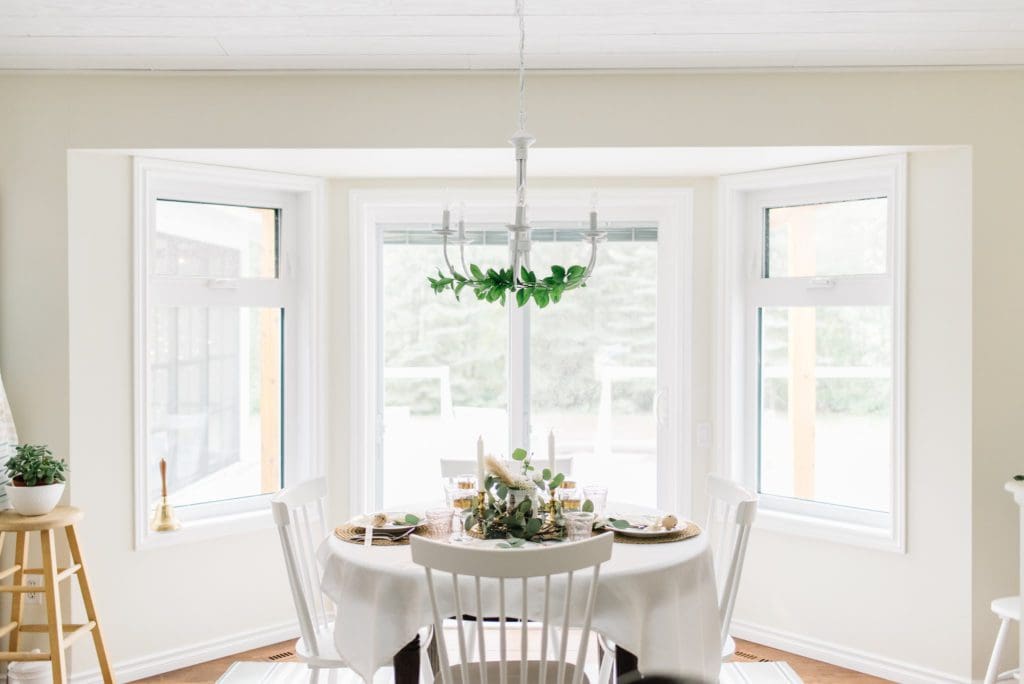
{"type": "Point", "coordinates": [269, 332]}
{"type": "Point", "coordinates": [802, 354]}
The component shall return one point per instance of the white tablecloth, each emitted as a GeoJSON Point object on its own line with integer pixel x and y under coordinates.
{"type": "Point", "coordinates": [657, 601]}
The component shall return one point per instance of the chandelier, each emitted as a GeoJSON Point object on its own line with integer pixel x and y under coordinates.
{"type": "Point", "coordinates": [518, 278]}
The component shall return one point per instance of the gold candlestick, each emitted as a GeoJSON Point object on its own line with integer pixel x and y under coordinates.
{"type": "Point", "coordinates": [163, 516]}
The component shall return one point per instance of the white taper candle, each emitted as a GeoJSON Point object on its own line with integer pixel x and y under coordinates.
{"type": "Point", "coordinates": [551, 452]}
{"type": "Point", "coordinates": [480, 463]}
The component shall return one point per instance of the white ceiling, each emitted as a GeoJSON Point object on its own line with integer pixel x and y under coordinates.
{"type": "Point", "coordinates": [480, 34]}
{"type": "Point", "coordinates": [498, 163]}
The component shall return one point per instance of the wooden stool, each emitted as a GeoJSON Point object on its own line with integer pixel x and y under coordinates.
{"type": "Point", "coordinates": [61, 635]}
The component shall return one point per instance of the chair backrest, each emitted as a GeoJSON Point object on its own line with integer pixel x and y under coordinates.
{"type": "Point", "coordinates": [731, 511]}
{"type": "Point", "coordinates": [505, 566]}
{"type": "Point", "coordinates": [301, 520]}
{"type": "Point", "coordinates": [453, 467]}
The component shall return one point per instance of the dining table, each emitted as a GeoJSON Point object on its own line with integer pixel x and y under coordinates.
{"type": "Point", "coordinates": [656, 601]}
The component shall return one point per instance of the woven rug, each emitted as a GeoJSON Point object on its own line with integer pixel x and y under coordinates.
{"type": "Point", "coordinates": [759, 673]}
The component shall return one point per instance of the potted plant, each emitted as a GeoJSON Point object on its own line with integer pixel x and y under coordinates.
{"type": "Point", "coordinates": [37, 479]}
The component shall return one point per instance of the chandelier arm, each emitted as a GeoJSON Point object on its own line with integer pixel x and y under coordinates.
{"type": "Point", "coordinates": [462, 259]}
{"type": "Point", "coordinates": [444, 248]}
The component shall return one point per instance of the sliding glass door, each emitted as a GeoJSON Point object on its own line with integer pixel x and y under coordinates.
{"type": "Point", "coordinates": [596, 369]}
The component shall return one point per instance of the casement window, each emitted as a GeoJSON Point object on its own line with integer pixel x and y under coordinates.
{"type": "Point", "coordinates": [603, 368]}
{"type": "Point", "coordinates": [814, 291]}
{"type": "Point", "coordinates": [225, 331]}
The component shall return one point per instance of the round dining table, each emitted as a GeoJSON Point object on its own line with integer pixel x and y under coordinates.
{"type": "Point", "coordinates": [657, 601]}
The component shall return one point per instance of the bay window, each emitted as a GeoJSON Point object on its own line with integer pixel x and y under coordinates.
{"type": "Point", "coordinates": [224, 298]}
{"type": "Point", "coordinates": [814, 272]}
{"type": "Point", "coordinates": [603, 369]}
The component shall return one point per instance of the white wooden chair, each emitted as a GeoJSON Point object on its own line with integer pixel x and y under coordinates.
{"type": "Point", "coordinates": [462, 562]}
{"type": "Point", "coordinates": [453, 467]}
{"type": "Point", "coordinates": [299, 513]}
{"type": "Point", "coordinates": [1008, 610]}
{"type": "Point", "coordinates": [731, 512]}
{"type": "Point", "coordinates": [301, 519]}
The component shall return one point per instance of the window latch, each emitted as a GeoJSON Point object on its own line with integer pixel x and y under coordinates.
{"type": "Point", "coordinates": [821, 283]}
{"type": "Point", "coordinates": [222, 284]}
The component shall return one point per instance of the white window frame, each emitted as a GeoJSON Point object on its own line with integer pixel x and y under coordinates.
{"type": "Point", "coordinates": [298, 290]}
{"type": "Point", "coordinates": [741, 290]}
{"type": "Point", "coordinates": [672, 208]}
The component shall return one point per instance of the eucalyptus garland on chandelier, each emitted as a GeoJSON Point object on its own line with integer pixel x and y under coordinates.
{"type": "Point", "coordinates": [518, 279]}
{"type": "Point", "coordinates": [497, 286]}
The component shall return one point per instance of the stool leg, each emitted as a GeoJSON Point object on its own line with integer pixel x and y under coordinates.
{"type": "Point", "coordinates": [53, 616]}
{"type": "Point", "coordinates": [90, 607]}
{"type": "Point", "coordinates": [997, 652]}
{"type": "Point", "coordinates": [20, 558]}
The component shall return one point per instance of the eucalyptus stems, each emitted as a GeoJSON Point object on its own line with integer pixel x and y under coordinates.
{"type": "Point", "coordinates": [497, 285]}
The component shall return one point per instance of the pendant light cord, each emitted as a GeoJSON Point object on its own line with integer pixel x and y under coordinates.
{"type": "Point", "coordinates": [522, 64]}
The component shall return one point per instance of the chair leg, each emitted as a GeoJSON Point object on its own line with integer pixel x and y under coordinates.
{"type": "Point", "coordinates": [314, 675]}
{"type": "Point", "coordinates": [997, 652]}
{"type": "Point", "coordinates": [53, 614]}
{"type": "Point", "coordinates": [90, 607]}
{"type": "Point", "coordinates": [20, 558]}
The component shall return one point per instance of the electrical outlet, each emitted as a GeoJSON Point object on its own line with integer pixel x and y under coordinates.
{"type": "Point", "coordinates": [34, 596]}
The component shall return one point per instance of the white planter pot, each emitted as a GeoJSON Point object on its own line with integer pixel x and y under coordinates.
{"type": "Point", "coordinates": [38, 500]}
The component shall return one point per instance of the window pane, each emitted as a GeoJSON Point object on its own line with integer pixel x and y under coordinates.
{"type": "Point", "coordinates": [826, 395]}
{"type": "Point", "coordinates": [445, 369]}
{"type": "Point", "coordinates": [215, 402]}
{"type": "Point", "coordinates": [593, 363]}
{"type": "Point", "coordinates": [836, 238]}
{"type": "Point", "coordinates": [215, 240]}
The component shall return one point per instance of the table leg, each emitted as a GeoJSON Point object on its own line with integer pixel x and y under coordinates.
{"type": "Point", "coordinates": [407, 663]}
{"type": "Point", "coordinates": [626, 664]}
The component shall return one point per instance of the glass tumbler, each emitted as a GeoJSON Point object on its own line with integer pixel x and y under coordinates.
{"type": "Point", "coordinates": [578, 525]}
{"type": "Point", "coordinates": [598, 496]}
{"type": "Point", "coordinates": [439, 522]}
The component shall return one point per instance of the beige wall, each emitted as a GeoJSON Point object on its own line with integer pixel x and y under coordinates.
{"type": "Point", "coordinates": [53, 356]}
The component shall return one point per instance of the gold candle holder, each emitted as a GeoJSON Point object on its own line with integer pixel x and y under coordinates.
{"type": "Point", "coordinates": [163, 517]}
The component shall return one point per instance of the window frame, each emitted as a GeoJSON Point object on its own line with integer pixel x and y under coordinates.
{"type": "Point", "coordinates": [672, 208]}
{"type": "Point", "coordinates": [742, 291]}
{"type": "Point", "coordinates": [297, 291]}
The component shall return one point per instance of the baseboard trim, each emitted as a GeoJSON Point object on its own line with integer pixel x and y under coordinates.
{"type": "Point", "coordinates": [853, 659]}
{"type": "Point", "coordinates": [193, 654]}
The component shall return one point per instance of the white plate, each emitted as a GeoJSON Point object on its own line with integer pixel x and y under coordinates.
{"type": "Point", "coordinates": [393, 521]}
{"type": "Point", "coordinates": [644, 532]}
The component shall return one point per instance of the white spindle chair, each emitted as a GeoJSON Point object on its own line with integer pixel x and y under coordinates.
{"type": "Point", "coordinates": [1007, 609]}
{"type": "Point", "coordinates": [731, 512]}
{"type": "Point", "coordinates": [521, 565]}
{"type": "Point", "coordinates": [453, 467]}
{"type": "Point", "coordinates": [301, 519]}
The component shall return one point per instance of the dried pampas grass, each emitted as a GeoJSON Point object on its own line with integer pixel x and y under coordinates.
{"type": "Point", "coordinates": [496, 468]}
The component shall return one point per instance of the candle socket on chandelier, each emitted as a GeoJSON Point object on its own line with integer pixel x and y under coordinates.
{"type": "Point", "coordinates": [163, 516]}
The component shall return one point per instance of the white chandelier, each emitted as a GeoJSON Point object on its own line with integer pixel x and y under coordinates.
{"type": "Point", "coordinates": [518, 279]}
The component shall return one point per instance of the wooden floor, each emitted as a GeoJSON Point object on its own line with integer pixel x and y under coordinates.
{"type": "Point", "coordinates": [811, 671]}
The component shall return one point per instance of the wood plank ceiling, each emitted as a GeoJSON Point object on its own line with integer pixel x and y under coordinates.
{"type": "Point", "coordinates": [480, 34]}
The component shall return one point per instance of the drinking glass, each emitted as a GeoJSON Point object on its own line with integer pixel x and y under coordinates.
{"type": "Point", "coordinates": [598, 496]}
{"type": "Point", "coordinates": [569, 496]}
{"type": "Point", "coordinates": [439, 522]}
{"type": "Point", "coordinates": [460, 499]}
{"type": "Point", "coordinates": [578, 525]}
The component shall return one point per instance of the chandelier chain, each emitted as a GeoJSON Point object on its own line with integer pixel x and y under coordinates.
{"type": "Point", "coordinates": [522, 64]}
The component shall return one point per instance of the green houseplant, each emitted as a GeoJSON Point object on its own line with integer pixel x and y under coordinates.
{"type": "Point", "coordinates": [37, 479]}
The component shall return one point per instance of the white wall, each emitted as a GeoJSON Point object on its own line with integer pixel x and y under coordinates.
{"type": "Point", "coordinates": [61, 358]}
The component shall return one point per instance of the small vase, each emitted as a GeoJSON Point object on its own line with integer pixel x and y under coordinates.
{"type": "Point", "coordinates": [517, 496]}
{"type": "Point", "coordinates": [38, 500]}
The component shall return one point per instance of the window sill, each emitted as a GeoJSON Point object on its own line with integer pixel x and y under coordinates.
{"type": "Point", "coordinates": [198, 530]}
{"type": "Point", "coordinates": [825, 529]}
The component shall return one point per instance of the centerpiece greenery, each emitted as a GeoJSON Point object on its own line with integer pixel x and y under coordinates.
{"type": "Point", "coordinates": [496, 286]}
{"type": "Point", "coordinates": [519, 507]}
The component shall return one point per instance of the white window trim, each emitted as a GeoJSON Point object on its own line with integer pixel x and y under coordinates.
{"type": "Point", "coordinates": [672, 208]}
{"type": "Point", "coordinates": [303, 259]}
{"type": "Point", "coordinates": [735, 350]}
